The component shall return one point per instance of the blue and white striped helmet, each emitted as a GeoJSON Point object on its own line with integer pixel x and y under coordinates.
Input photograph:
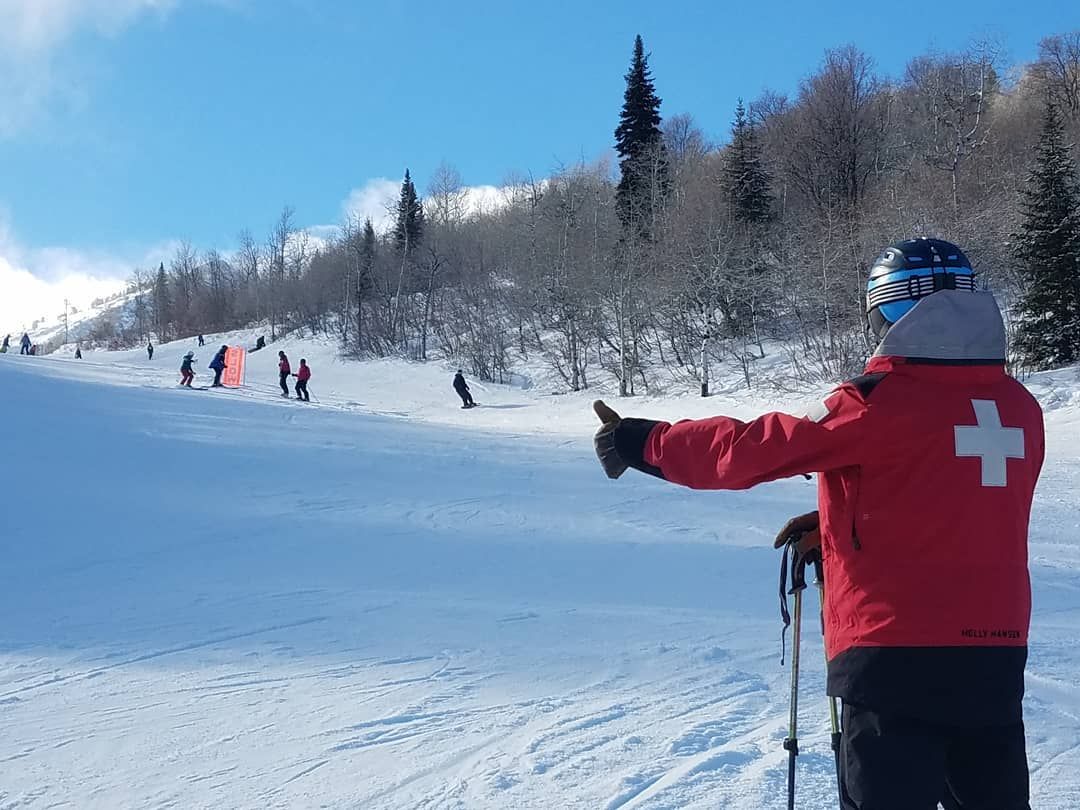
{"type": "Point", "coordinates": [908, 271]}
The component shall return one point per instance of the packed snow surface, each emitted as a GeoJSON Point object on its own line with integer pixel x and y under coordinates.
{"type": "Point", "coordinates": [226, 599]}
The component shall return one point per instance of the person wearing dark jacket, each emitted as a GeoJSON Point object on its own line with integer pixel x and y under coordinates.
{"type": "Point", "coordinates": [187, 374]}
{"type": "Point", "coordinates": [284, 370]}
{"type": "Point", "coordinates": [202, 342]}
{"type": "Point", "coordinates": [926, 467]}
{"type": "Point", "coordinates": [218, 366]}
{"type": "Point", "coordinates": [303, 374]}
{"type": "Point", "coordinates": [462, 389]}
{"type": "Point", "coordinates": [6, 345]}
{"type": "Point", "coordinates": [24, 344]}
{"type": "Point", "coordinates": [78, 352]}
{"type": "Point", "coordinates": [149, 350]}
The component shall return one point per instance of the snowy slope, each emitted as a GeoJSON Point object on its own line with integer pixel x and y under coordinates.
{"type": "Point", "coordinates": [47, 332]}
{"type": "Point", "coordinates": [224, 599]}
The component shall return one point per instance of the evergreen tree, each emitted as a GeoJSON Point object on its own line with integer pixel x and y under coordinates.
{"type": "Point", "coordinates": [365, 279]}
{"type": "Point", "coordinates": [747, 181]}
{"type": "Point", "coordinates": [638, 140]}
{"type": "Point", "coordinates": [1048, 253]}
{"type": "Point", "coordinates": [162, 307]}
{"type": "Point", "coordinates": [409, 226]}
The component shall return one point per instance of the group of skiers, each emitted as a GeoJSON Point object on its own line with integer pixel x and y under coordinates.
{"type": "Point", "coordinates": [302, 375]}
{"type": "Point", "coordinates": [25, 345]}
{"type": "Point", "coordinates": [218, 366]}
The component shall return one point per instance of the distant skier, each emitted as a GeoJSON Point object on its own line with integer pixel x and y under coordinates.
{"type": "Point", "coordinates": [33, 350]}
{"type": "Point", "coordinates": [78, 352]}
{"type": "Point", "coordinates": [462, 389]}
{"type": "Point", "coordinates": [7, 343]}
{"type": "Point", "coordinates": [149, 351]}
{"type": "Point", "coordinates": [259, 344]}
{"type": "Point", "coordinates": [303, 374]}
{"type": "Point", "coordinates": [201, 341]}
{"type": "Point", "coordinates": [24, 344]}
{"type": "Point", "coordinates": [284, 370]}
{"type": "Point", "coordinates": [186, 372]}
{"type": "Point", "coordinates": [218, 365]}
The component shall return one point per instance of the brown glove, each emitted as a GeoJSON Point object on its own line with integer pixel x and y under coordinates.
{"type": "Point", "coordinates": [803, 531]}
{"type": "Point", "coordinates": [604, 441]}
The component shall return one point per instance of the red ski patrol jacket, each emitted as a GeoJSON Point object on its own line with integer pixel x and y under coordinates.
{"type": "Point", "coordinates": [283, 366]}
{"type": "Point", "coordinates": [927, 465]}
{"type": "Point", "coordinates": [303, 373]}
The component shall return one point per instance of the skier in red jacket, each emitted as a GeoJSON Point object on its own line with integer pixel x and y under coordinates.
{"type": "Point", "coordinates": [303, 374]}
{"type": "Point", "coordinates": [927, 465]}
{"type": "Point", "coordinates": [284, 370]}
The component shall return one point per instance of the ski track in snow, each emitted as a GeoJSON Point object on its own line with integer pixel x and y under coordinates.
{"type": "Point", "coordinates": [222, 599]}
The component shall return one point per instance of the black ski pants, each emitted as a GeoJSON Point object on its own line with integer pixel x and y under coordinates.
{"type": "Point", "coordinates": [217, 377]}
{"type": "Point", "coordinates": [283, 381]}
{"type": "Point", "coordinates": [301, 390]}
{"type": "Point", "coordinates": [466, 397]}
{"type": "Point", "coordinates": [889, 762]}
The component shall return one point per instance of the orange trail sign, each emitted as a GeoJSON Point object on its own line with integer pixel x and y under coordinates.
{"type": "Point", "coordinates": [234, 367]}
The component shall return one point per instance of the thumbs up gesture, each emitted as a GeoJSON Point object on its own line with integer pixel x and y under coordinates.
{"type": "Point", "coordinates": [604, 441]}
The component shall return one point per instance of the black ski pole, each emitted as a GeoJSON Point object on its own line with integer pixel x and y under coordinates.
{"type": "Point", "coordinates": [798, 585]}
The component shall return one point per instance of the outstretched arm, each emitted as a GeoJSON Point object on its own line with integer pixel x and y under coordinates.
{"type": "Point", "coordinates": [726, 453]}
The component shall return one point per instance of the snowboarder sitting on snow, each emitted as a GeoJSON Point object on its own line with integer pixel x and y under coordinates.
{"type": "Point", "coordinates": [186, 372]}
{"type": "Point", "coordinates": [24, 344]}
{"type": "Point", "coordinates": [927, 464]}
{"type": "Point", "coordinates": [260, 343]}
{"type": "Point", "coordinates": [218, 365]}
{"type": "Point", "coordinates": [149, 351]}
{"type": "Point", "coordinates": [462, 389]}
{"type": "Point", "coordinates": [303, 374]}
{"type": "Point", "coordinates": [284, 370]}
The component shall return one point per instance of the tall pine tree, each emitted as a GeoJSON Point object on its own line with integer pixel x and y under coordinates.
{"type": "Point", "coordinates": [748, 183]}
{"type": "Point", "coordinates": [1048, 253]}
{"type": "Point", "coordinates": [162, 305]}
{"type": "Point", "coordinates": [409, 225]}
{"type": "Point", "coordinates": [638, 141]}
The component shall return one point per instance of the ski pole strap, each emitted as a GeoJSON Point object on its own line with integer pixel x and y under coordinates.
{"type": "Point", "coordinates": [785, 616]}
{"type": "Point", "coordinates": [794, 564]}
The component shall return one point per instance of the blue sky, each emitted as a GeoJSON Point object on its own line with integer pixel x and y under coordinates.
{"type": "Point", "coordinates": [126, 124]}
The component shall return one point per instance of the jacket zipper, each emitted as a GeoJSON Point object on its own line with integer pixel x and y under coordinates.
{"type": "Point", "coordinates": [855, 542]}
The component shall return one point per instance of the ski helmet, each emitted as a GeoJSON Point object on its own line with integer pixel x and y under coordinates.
{"type": "Point", "coordinates": [189, 355]}
{"type": "Point", "coordinates": [908, 271]}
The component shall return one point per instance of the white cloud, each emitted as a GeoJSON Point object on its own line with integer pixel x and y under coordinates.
{"type": "Point", "coordinates": [35, 282]}
{"type": "Point", "coordinates": [37, 26]}
{"type": "Point", "coordinates": [375, 200]}
{"type": "Point", "coordinates": [31, 31]}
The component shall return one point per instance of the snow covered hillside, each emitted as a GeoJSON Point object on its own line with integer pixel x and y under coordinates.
{"type": "Point", "coordinates": [226, 599]}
